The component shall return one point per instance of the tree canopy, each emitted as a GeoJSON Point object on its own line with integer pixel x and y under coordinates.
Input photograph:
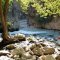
{"type": "Point", "coordinates": [43, 7]}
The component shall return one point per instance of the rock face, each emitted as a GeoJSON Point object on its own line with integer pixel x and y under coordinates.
{"type": "Point", "coordinates": [54, 24]}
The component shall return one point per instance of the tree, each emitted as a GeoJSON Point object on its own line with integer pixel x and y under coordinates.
{"type": "Point", "coordinates": [3, 15]}
{"type": "Point", "coordinates": [43, 8]}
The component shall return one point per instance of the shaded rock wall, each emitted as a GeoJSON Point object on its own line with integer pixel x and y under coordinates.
{"type": "Point", "coordinates": [54, 24]}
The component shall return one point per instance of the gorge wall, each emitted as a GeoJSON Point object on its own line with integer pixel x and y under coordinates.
{"type": "Point", "coordinates": [54, 24]}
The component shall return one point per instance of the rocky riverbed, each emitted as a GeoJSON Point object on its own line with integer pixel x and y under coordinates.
{"type": "Point", "coordinates": [31, 48]}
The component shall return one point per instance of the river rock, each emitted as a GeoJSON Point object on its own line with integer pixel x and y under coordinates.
{"type": "Point", "coordinates": [49, 51]}
{"type": "Point", "coordinates": [37, 50]}
{"type": "Point", "coordinates": [31, 58]}
{"type": "Point", "coordinates": [58, 42]}
{"type": "Point", "coordinates": [37, 45]}
{"type": "Point", "coordinates": [48, 57]}
{"type": "Point", "coordinates": [10, 47]}
{"type": "Point", "coordinates": [27, 55]}
{"type": "Point", "coordinates": [4, 52]}
{"type": "Point", "coordinates": [20, 37]}
{"type": "Point", "coordinates": [32, 39]}
{"type": "Point", "coordinates": [17, 51]}
{"type": "Point", "coordinates": [1, 39]}
{"type": "Point", "coordinates": [58, 57]}
{"type": "Point", "coordinates": [42, 57]}
{"type": "Point", "coordinates": [5, 58]}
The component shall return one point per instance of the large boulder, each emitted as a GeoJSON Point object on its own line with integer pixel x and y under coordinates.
{"type": "Point", "coordinates": [38, 50]}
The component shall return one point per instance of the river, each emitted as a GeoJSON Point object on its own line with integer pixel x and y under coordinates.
{"type": "Point", "coordinates": [25, 29]}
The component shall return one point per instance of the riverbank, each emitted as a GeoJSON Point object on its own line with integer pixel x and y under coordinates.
{"type": "Point", "coordinates": [31, 48]}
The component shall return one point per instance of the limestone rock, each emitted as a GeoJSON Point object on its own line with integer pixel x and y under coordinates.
{"type": "Point", "coordinates": [18, 51]}
{"type": "Point", "coordinates": [20, 37]}
{"type": "Point", "coordinates": [37, 51]}
{"type": "Point", "coordinates": [10, 47]}
{"type": "Point", "coordinates": [58, 57]}
{"type": "Point", "coordinates": [49, 51]}
{"type": "Point", "coordinates": [32, 39]}
{"type": "Point", "coordinates": [4, 52]}
{"type": "Point", "coordinates": [48, 57]}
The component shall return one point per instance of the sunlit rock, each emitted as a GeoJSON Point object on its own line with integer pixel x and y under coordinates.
{"type": "Point", "coordinates": [4, 52]}
{"type": "Point", "coordinates": [5, 58]}
{"type": "Point", "coordinates": [10, 47]}
{"type": "Point", "coordinates": [20, 37]}
{"type": "Point", "coordinates": [48, 57]}
{"type": "Point", "coordinates": [18, 51]}
{"type": "Point", "coordinates": [49, 51]}
{"type": "Point", "coordinates": [32, 39]}
{"type": "Point", "coordinates": [1, 39]}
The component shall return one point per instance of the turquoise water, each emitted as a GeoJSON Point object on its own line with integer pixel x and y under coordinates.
{"type": "Point", "coordinates": [35, 31]}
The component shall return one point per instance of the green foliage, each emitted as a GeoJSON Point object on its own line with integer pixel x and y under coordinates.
{"type": "Point", "coordinates": [10, 4]}
{"type": "Point", "coordinates": [43, 7]}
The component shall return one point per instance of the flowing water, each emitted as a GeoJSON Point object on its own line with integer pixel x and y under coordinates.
{"type": "Point", "coordinates": [25, 29]}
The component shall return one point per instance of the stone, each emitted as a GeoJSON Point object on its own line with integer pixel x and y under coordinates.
{"type": "Point", "coordinates": [20, 37]}
{"type": "Point", "coordinates": [1, 39]}
{"type": "Point", "coordinates": [58, 57]}
{"type": "Point", "coordinates": [58, 42]}
{"type": "Point", "coordinates": [31, 58]}
{"type": "Point", "coordinates": [4, 52]}
{"type": "Point", "coordinates": [5, 58]}
{"type": "Point", "coordinates": [49, 51]}
{"type": "Point", "coordinates": [43, 45]}
{"type": "Point", "coordinates": [48, 57]}
{"type": "Point", "coordinates": [37, 50]}
{"type": "Point", "coordinates": [42, 57]}
{"type": "Point", "coordinates": [31, 39]}
{"type": "Point", "coordinates": [17, 51]}
{"type": "Point", "coordinates": [10, 47]}
{"type": "Point", "coordinates": [27, 55]}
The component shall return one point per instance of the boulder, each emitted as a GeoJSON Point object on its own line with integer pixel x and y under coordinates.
{"type": "Point", "coordinates": [17, 51]}
{"type": "Point", "coordinates": [20, 37]}
{"type": "Point", "coordinates": [48, 57]}
{"type": "Point", "coordinates": [4, 52]}
{"type": "Point", "coordinates": [58, 57]}
{"type": "Point", "coordinates": [49, 51]}
{"type": "Point", "coordinates": [32, 39]}
{"type": "Point", "coordinates": [10, 47]}
{"type": "Point", "coordinates": [37, 50]}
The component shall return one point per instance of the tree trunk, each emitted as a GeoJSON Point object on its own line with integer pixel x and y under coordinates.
{"type": "Point", "coordinates": [3, 19]}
